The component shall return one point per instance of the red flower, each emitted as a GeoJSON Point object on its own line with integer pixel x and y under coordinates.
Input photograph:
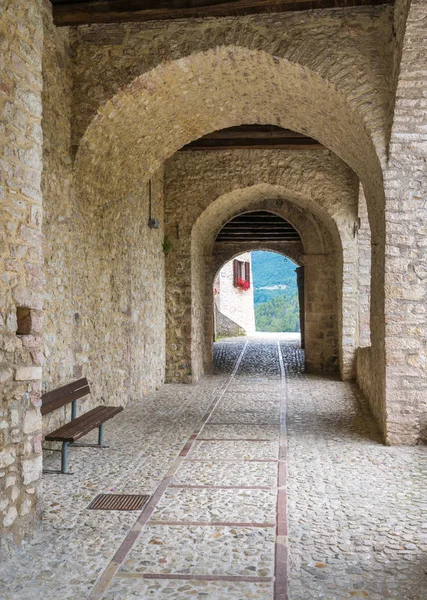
{"type": "Point", "coordinates": [242, 284]}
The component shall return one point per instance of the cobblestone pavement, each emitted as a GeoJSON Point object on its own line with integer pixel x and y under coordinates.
{"type": "Point", "coordinates": [357, 510]}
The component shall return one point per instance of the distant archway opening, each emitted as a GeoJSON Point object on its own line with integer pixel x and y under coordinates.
{"type": "Point", "coordinates": [259, 293]}
{"type": "Point", "coordinates": [257, 290]}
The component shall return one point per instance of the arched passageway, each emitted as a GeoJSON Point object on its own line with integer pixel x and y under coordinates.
{"type": "Point", "coordinates": [321, 257]}
{"type": "Point", "coordinates": [120, 150]}
{"type": "Point", "coordinates": [259, 291]}
{"type": "Point", "coordinates": [97, 229]}
{"type": "Point", "coordinates": [249, 231]}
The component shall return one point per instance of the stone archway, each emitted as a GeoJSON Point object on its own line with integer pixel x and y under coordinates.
{"type": "Point", "coordinates": [224, 253]}
{"type": "Point", "coordinates": [321, 254]}
{"type": "Point", "coordinates": [127, 136]}
{"type": "Point", "coordinates": [127, 140]}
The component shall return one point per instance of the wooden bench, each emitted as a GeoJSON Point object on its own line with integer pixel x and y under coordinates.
{"type": "Point", "coordinates": [78, 426]}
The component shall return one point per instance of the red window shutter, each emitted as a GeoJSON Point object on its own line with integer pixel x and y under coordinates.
{"type": "Point", "coordinates": [248, 272]}
{"type": "Point", "coordinates": [235, 272]}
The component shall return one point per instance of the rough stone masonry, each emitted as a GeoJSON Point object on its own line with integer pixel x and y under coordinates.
{"type": "Point", "coordinates": [91, 114]}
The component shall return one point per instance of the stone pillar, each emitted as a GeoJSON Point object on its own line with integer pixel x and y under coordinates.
{"type": "Point", "coordinates": [406, 243]}
{"type": "Point", "coordinates": [321, 322]}
{"type": "Point", "coordinates": [209, 314]}
{"type": "Point", "coordinates": [178, 311]}
{"type": "Point", "coordinates": [21, 285]}
{"type": "Point", "coordinates": [300, 283]}
{"type": "Point", "coordinates": [364, 243]}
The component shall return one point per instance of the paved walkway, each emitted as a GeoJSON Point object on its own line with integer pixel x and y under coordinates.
{"type": "Point", "coordinates": [216, 457]}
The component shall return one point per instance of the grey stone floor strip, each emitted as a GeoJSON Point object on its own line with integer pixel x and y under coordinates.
{"type": "Point", "coordinates": [282, 549]}
{"type": "Point", "coordinates": [192, 577]}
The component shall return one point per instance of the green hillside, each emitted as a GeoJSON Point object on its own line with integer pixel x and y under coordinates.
{"type": "Point", "coordinates": [278, 314]}
{"type": "Point", "coordinates": [270, 269]}
{"type": "Point", "coordinates": [275, 292]}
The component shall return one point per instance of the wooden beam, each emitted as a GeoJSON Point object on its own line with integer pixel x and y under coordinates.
{"type": "Point", "coordinates": [250, 146]}
{"type": "Point", "coordinates": [258, 226]}
{"type": "Point", "coordinates": [263, 234]}
{"type": "Point", "coordinates": [231, 235]}
{"type": "Point", "coordinates": [254, 137]}
{"type": "Point", "coordinates": [78, 12]}
{"type": "Point", "coordinates": [257, 239]}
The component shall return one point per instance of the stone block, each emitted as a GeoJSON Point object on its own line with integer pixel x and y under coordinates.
{"type": "Point", "coordinates": [10, 516]}
{"type": "Point", "coordinates": [28, 373]}
{"type": "Point", "coordinates": [32, 421]}
{"type": "Point", "coordinates": [7, 457]}
{"type": "Point", "coordinates": [5, 374]}
{"type": "Point", "coordinates": [32, 469]}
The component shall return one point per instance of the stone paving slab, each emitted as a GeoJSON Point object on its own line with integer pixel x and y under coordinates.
{"type": "Point", "coordinates": [241, 551]}
{"type": "Point", "coordinates": [253, 401]}
{"type": "Point", "coordinates": [213, 505]}
{"type": "Point", "coordinates": [225, 356]}
{"type": "Point", "coordinates": [255, 415]}
{"type": "Point", "coordinates": [240, 450]}
{"type": "Point", "coordinates": [132, 589]}
{"type": "Point", "coordinates": [233, 431]}
{"type": "Point", "coordinates": [66, 560]}
{"type": "Point", "coordinates": [356, 508]}
{"type": "Point", "coordinates": [255, 386]}
{"type": "Point", "coordinates": [230, 417]}
{"type": "Point", "coordinates": [216, 473]}
{"type": "Point", "coordinates": [63, 560]}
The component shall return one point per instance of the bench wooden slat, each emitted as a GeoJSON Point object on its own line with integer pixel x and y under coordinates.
{"type": "Point", "coordinates": [48, 407]}
{"type": "Point", "coordinates": [70, 387]}
{"type": "Point", "coordinates": [74, 430]}
{"type": "Point", "coordinates": [64, 395]}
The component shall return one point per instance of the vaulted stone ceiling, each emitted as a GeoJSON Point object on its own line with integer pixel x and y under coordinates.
{"type": "Point", "coordinates": [79, 12]}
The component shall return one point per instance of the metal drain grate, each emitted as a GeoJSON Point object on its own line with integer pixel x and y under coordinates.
{"type": "Point", "coordinates": [118, 502]}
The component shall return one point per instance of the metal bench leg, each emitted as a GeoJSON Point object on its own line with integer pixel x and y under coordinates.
{"type": "Point", "coordinates": [64, 457]}
{"type": "Point", "coordinates": [101, 435]}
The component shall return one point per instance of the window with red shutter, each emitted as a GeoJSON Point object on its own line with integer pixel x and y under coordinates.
{"type": "Point", "coordinates": [248, 273]}
{"type": "Point", "coordinates": [241, 274]}
{"type": "Point", "coordinates": [235, 272]}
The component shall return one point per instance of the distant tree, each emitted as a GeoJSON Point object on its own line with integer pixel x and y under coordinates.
{"type": "Point", "coordinates": [278, 314]}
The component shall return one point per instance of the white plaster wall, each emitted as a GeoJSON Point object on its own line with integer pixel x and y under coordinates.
{"type": "Point", "coordinates": [234, 303]}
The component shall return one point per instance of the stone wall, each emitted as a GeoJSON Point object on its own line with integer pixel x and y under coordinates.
{"type": "Point", "coordinates": [350, 47]}
{"type": "Point", "coordinates": [21, 282]}
{"type": "Point", "coordinates": [61, 225]}
{"type": "Point", "coordinates": [104, 266]}
{"type": "Point", "coordinates": [320, 288]}
{"type": "Point", "coordinates": [117, 280]}
{"type": "Point", "coordinates": [223, 251]}
{"type": "Point", "coordinates": [234, 303]}
{"type": "Point", "coordinates": [225, 327]}
{"type": "Point", "coordinates": [406, 242]}
{"type": "Point", "coordinates": [364, 371]}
